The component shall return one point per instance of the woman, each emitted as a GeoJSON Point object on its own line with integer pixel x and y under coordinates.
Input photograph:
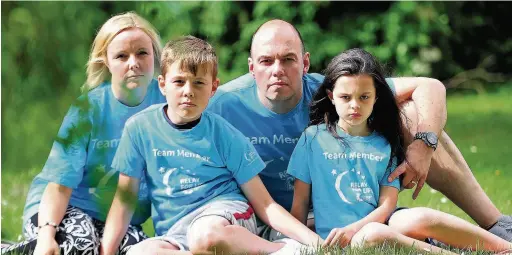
{"type": "Point", "coordinates": [68, 201]}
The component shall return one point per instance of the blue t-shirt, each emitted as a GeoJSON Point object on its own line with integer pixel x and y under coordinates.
{"type": "Point", "coordinates": [185, 169]}
{"type": "Point", "coordinates": [274, 135]}
{"type": "Point", "coordinates": [81, 155]}
{"type": "Point", "coordinates": [345, 179]}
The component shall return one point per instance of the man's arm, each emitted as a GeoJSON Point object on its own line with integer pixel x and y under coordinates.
{"type": "Point", "coordinates": [429, 96]}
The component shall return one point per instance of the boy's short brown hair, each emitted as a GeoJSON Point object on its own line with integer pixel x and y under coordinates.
{"type": "Point", "coordinates": [192, 53]}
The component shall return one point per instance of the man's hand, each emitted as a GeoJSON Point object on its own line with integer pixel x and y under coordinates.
{"type": "Point", "coordinates": [340, 236]}
{"type": "Point", "coordinates": [415, 167]}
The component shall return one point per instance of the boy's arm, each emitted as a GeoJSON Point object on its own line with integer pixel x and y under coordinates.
{"type": "Point", "coordinates": [275, 215]}
{"type": "Point", "coordinates": [387, 203]}
{"type": "Point", "coordinates": [429, 97]}
{"type": "Point", "coordinates": [300, 205]}
{"type": "Point", "coordinates": [120, 214]}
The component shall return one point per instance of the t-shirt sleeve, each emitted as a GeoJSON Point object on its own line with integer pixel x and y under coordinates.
{"type": "Point", "coordinates": [66, 162]}
{"type": "Point", "coordinates": [384, 181]}
{"type": "Point", "coordinates": [391, 85]}
{"type": "Point", "coordinates": [298, 166]}
{"type": "Point", "coordinates": [240, 156]}
{"type": "Point", "coordinates": [128, 159]}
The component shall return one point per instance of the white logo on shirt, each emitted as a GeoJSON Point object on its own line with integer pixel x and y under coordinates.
{"type": "Point", "coordinates": [178, 153]}
{"type": "Point", "coordinates": [103, 181]}
{"type": "Point", "coordinates": [360, 188]}
{"type": "Point", "coordinates": [250, 156]}
{"type": "Point", "coordinates": [104, 144]}
{"type": "Point", "coordinates": [275, 140]}
{"type": "Point", "coordinates": [352, 155]}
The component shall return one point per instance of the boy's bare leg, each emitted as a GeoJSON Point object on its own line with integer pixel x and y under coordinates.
{"type": "Point", "coordinates": [214, 234]}
{"type": "Point", "coordinates": [156, 247]}
{"type": "Point", "coordinates": [421, 223]}
{"type": "Point", "coordinates": [376, 234]}
{"type": "Point", "coordinates": [450, 174]}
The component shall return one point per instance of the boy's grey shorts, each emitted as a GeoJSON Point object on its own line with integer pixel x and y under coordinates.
{"type": "Point", "coordinates": [270, 234]}
{"type": "Point", "coordinates": [236, 212]}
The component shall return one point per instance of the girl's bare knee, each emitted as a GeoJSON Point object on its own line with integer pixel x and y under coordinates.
{"type": "Point", "coordinates": [372, 234]}
{"type": "Point", "coordinates": [414, 222]}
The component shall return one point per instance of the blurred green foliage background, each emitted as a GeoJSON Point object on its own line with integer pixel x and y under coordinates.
{"type": "Point", "coordinates": [45, 46]}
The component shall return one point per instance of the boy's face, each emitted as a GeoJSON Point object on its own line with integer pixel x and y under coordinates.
{"type": "Point", "coordinates": [187, 94]}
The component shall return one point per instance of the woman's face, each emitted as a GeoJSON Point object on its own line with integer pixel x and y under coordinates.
{"type": "Point", "coordinates": [130, 59]}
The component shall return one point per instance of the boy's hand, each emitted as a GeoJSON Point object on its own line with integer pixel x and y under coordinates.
{"type": "Point", "coordinates": [340, 236]}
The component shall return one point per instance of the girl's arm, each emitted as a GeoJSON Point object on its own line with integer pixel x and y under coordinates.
{"type": "Point", "coordinates": [301, 195]}
{"type": "Point", "coordinates": [275, 215]}
{"type": "Point", "coordinates": [120, 214]}
{"type": "Point", "coordinates": [387, 204]}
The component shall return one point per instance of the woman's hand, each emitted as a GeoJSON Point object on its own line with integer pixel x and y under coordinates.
{"type": "Point", "coordinates": [46, 244]}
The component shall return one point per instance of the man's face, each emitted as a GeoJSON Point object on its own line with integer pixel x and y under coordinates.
{"type": "Point", "coordinates": [277, 64]}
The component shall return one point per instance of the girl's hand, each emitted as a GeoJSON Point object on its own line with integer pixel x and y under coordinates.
{"type": "Point", "coordinates": [46, 244]}
{"type": "Point", "coordinates": [340, 236]}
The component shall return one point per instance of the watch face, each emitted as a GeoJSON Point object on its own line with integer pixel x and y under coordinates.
{"type": "Point", "coordinates": [432, 138]}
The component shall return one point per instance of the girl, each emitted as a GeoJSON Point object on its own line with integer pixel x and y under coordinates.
{"type": "Point", "coordinates": [68, 201]}
{"type": "Point", "coordinates": [352, 143]}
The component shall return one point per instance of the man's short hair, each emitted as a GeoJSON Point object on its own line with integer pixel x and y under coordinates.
{"type": "Point", "coordinates": [303, 48]}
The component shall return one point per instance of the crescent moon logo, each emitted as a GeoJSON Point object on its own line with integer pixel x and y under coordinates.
{"type": "Point", "coordinates": [168, 190]}
{"type": "Point", "coordinates": [337, 186]}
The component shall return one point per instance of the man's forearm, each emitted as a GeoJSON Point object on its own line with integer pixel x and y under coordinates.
{"type": "Point", "coordinates": [430, 100]}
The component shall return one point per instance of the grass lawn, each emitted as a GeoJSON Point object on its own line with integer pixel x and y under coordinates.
{"type": "Point", "coordinates": [480, 125]}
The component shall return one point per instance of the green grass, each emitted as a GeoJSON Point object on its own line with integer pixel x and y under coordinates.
{"type": "Point", "coordinates": [480, 125]}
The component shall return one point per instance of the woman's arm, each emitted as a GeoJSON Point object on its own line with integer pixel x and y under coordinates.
{"type": "Point", "coordinates": [275, 215]}
{"type": "Point", "coordinates": [301, 195]}
{"type": "Point", "coordinates": [51, 211]}
{"type": "Point", "coordinates": [387, 203]}
{"type": "Point", "coordinates": [120, 214]}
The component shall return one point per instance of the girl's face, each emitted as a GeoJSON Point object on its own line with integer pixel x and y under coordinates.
{"type": "Point", "coordinates": [130, 59]}
{"type": "Point", "coordinates": [354, 97]}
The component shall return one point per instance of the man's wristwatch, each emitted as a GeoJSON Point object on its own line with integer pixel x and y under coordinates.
{"type": "Point", "coordinates": [429, 138]}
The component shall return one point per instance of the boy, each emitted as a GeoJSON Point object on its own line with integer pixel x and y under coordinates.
{"type": "Point", "coordinates": [198, 168]}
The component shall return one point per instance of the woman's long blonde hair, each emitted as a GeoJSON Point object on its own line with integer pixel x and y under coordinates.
{"type": "Point", "coordinates": [97, 71]}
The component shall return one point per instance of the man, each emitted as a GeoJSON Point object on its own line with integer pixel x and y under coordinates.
{"type": "Point", "coordinates": [270, 107]}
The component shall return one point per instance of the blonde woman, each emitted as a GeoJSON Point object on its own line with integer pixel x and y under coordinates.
{"type": "Point", "coordinates": [68, 201]}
